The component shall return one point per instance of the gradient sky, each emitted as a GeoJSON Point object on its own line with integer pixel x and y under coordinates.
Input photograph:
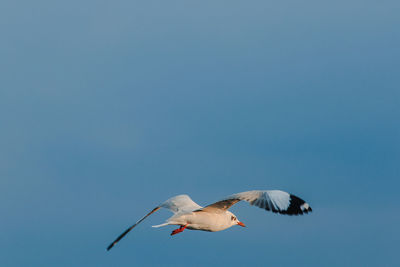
{"type": "Point", "coordinates": [108, 108]}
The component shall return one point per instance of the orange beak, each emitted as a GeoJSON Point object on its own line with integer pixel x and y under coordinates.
{"type": "Point", "coordinates": [241, 224]}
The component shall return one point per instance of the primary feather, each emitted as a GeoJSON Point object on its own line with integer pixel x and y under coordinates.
{"type": "Point", "coordinates": [273, 200]}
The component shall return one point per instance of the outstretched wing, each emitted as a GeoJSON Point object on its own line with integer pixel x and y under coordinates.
{"type": "Point", "coordinates": [177, 204]}
{"type": "Point", "coordinates": [130, 228]}
{"type": "Point", "coordinates": [181, 203]}
{"type": "Point", "coordinates": [273, 200]}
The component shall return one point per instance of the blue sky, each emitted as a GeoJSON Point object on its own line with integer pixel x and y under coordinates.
{"type": "Point", "coordinates": [109, 108]}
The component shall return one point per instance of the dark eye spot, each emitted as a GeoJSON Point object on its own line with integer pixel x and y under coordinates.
{"type": "Point", "coordinates": [232, 218]}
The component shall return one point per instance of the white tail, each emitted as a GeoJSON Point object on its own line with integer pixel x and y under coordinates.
{"type": "Point", "coordinates": [160, 225]}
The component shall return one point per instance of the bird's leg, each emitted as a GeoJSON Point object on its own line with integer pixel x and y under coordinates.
{"type": "Point", "coordinates": [179, 230]}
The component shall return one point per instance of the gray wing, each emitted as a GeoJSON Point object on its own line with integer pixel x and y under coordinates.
{"type": "Point", "coordinates": [177, 204]}
{"type": "Point", "coordinates": [181, 203]}
{"type": "Point", "coordinates": [274, 200]}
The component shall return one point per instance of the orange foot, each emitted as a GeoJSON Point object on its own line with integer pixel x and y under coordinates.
{"type": "Point", "coordinates": [179, 230]}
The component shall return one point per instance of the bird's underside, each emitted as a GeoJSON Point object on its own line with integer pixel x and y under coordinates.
{"type": "Point", "coordinates": [216, 217]}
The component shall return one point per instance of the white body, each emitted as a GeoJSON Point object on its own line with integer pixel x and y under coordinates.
{"type": "Point", "coordinates": [205, 221]}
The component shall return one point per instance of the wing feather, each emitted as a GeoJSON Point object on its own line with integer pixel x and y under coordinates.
{"type": "Point", "coordinates": [130, 228]}
{"type": "Point", "coordinates": [180, 203]}
{"type": "Point", "coordinates": [177, 204]}
{"type": "Point", "coordinates": [276, 201]}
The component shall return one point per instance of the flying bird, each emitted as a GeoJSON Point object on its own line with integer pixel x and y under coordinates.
{"type": "Point", "coordinates": [216, 217]}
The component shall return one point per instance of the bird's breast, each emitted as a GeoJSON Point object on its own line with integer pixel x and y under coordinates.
{"type": "Point", "coordinates": [206, 221]}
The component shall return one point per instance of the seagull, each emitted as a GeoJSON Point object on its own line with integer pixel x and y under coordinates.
{"type": "Point", "coordinates": [216, 217]}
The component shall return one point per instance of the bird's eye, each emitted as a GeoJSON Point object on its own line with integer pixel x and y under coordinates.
{"type": "Point", "coordinates": [232, 218]}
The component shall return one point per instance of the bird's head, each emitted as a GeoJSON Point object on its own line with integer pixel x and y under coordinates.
{"type": "Point", "coordinates": [234, 220]}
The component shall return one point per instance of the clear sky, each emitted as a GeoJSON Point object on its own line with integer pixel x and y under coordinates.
{"type": "Point", "coordinates": [108, 108]}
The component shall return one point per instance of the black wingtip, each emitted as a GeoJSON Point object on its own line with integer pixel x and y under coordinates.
{"type": "Point", "coordinates": [297, 206]}
{"type": "Point", "coordinates": [110, 246]}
